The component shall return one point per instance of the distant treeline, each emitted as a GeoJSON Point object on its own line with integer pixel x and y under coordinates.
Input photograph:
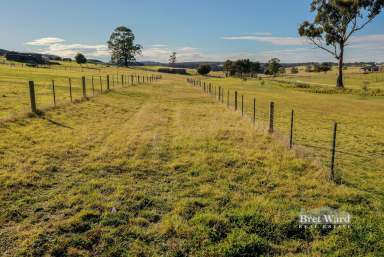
{"type": "Point", "coordinates": [173, 70]}
{"type": "Point", "coordinates": [240, 67]}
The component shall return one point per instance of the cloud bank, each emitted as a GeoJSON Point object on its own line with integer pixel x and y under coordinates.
{"type": "Point", "coordinates": [287, 49]}
{"type": "Point", "coordinates": [57, 46]}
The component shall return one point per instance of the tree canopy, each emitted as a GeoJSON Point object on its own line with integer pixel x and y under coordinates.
{"type": "Point", "coordinates": [121, 44]}
{"type": "Point", "coordinates": [204, 69]}
{"type": "Point", "coordinates": [172, 58]}
{"type": "Point", "coordinates": [80, 58]}
{"type": "Point", "coordinates": [242, 66]}
{"type": "Point", "coordinates": [273, 66]}
{"type": "Point", "coordinates": [334, 23]}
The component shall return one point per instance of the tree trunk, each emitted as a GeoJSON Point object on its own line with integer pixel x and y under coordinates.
{"type": "Point", "coordinates": [126, 61]}
{"type": "Point", "coordinates": [340, 83]}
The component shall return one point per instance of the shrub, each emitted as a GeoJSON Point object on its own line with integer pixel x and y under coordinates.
{"type": "Point", "coordinates": [294, 70]}
{"type": "Point", "coordinates": [204, 69]}
{"type": "Point", "coordinates": [80, 58]}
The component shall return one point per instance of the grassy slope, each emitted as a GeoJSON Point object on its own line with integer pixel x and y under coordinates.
{"type": "Point", "coordinates": [14, 94]}
{"type": "Point", "coordinates": [360, 132]}
{"type": "Point", "coordinates": [185, 176]}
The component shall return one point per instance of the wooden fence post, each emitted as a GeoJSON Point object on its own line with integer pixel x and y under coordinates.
{"type": "Point", "coordinates": [93, 87]}
{"type": "Point", "coordinates": [53, 93]}
{"type": "Point", "coordinates": [254, 110]}
{"type": "Point", "coordinates": [70, 88]}
{"type": "Point", "coordinates": [235, 100]}
{"type": "Point", "coordinates": [107, 82]}
{"type": "Point", "coordinates": [332, 170]}
{"type": "Point", "coordinates": [271, 116]}
{"type": "Point", "coordinates": [122, 80]}
{"type": "Point", "coordinates": [228, 98]}
{"type": "Point", "coordinates": [84, 89]}
{"type": "Point", "coordinates": [101, 86]}
{"type": "Point", "coordinates": [242, 105]}
{"type": "Point", "coordinates": [32, 96]}
{"type": "Point", "coordinates": [132, 80]}
{"type": "Point", "coordinates": [291, 131]}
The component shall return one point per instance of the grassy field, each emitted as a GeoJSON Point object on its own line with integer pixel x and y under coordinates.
{"type": "Point", "coordinates": [360, 139]}
{"type": "Point", "coordinates": [164, 170]}
{"type": "Point", "coordinates": [14, 92]}
{"type": "Point", "coordinates": [354, 78]}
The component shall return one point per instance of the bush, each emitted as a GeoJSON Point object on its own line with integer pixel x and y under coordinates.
{"type": "Point", "coordinates": [204, 69]}
{"type": "Point", "coordinates": [80, 58]}
{"type": "Point", "coordinates": [294, 70]}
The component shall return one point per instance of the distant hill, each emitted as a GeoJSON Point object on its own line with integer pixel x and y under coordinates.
{"type": "Point", "coordinates": [95, 61]}
{"type": "Point", "coordinates": [186, 65]}
{"type": "Point", "coordinates": [3, 52]}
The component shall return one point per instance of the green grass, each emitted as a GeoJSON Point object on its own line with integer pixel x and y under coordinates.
{"type": "Point", "coordinates": [14, 92]}
{"type": "Point", "coordinates": [360, 139]}
{"type": "Point", "coordinates": [162, 170]}
{"type": "Point", "coordinates": [354, 78]}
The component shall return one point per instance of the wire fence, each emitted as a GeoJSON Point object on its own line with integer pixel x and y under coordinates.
{"type": "Point", "coordinates": [36, 96]}
{"type": "Point", "coordinates": [97, 67]}
{"type": "Point", "coordinates": [349, 156]}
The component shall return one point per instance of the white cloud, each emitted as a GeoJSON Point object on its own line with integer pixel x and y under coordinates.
{"type": "Point", "coordinates": [54, 45]}
{"type": "Point", "coordinates": [362, 41]}
{"type": "Point", "coordinates": [375, 41]}
{"type": "Point", "coordinates": [45, 41]}
{"type": "Point", "coordinates": [361, 48]}
{"type": "Point", "coordinates": [159, 45]}
{"type": "Point", "coordinates": [262, 34]}
{"type": "Point", "coordinates": [269, 39]}
{"type": "Point", "coordinates": [161, 54]}
{"type": "Point", "coordinates": [298, 54]}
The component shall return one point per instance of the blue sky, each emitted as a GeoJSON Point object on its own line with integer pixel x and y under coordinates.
{"type": "Point", "coordinates": [212, 30]}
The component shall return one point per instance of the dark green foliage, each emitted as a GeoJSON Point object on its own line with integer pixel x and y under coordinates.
{"type": "Point", "coordinates": [121, 43]}
{"type": "Point", "coordinates": [173, 70]}
{"type": "Point", "coordinates": [244, 66]}
{"type": "Point", "coordinates": [172, 58]}
{"type": "Point", "coordinates": [323, 67]}
{"type": "Point", "coordinates": [80, 58]}
{"type": "Point", "coordinates": [319, 67]}
{"type": "Point", "coordinates": [273, 66]}
{"type": "Point", "coordinates": [204, 69]}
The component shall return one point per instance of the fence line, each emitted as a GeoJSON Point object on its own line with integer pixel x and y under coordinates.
{"type": "Point", "coordinates": [33, 96]}
{"type": "Point", "coordinates": [293, 123]}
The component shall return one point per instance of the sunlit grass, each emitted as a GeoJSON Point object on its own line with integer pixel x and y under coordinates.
{"type": "Point", "coordinates": [162, 170]}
